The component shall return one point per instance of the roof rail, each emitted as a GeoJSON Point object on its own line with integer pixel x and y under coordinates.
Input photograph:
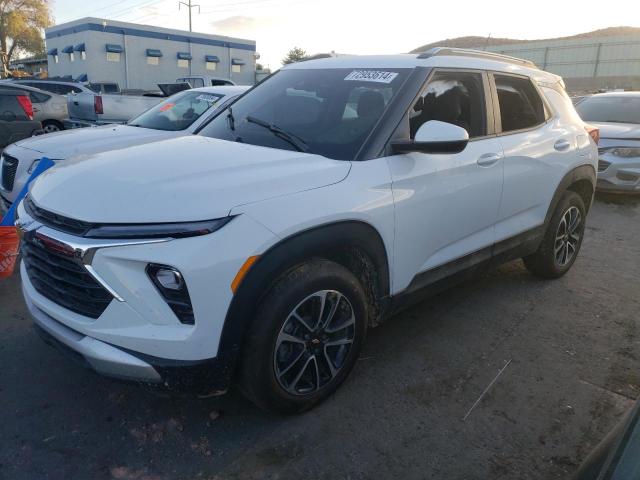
{"type": "Point", "coordinates": [465, 52]}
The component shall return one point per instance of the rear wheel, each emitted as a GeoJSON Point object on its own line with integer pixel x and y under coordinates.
{"type": "Point", "coordinates": [562, 240]}
{"type": "Point", "coordinates": [305, 337]}
{"type": "Point", "coordinates": [50, 126]}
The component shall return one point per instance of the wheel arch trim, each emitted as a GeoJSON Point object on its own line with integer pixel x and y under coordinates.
{"type": "Point", "coordinates": [318, 241]}
{"type": "Point", "coordinates": [579, 174]}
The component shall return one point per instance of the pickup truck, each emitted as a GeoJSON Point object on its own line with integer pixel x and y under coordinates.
{"type": "Point", "coordinates": [90, 109]}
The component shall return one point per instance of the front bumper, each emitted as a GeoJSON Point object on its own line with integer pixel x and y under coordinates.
{"type": "Point", "coordinates": [617, 174]}
{"type": "Point", "coordinates": [205, 377]}
{"type": "Point", "coordinates": [138, 337]}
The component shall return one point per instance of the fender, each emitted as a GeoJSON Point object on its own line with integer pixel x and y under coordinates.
{"type": "Point", "coordinates": [326, 241]}
{"type": "Point", "coordinates": [578, 174]}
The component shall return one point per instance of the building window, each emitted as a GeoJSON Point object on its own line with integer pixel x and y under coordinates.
{"type": "Point", "coordinates": [71, 57]}
{"type": "Point", "coordinates": [153, 61]}
{"type": "Point", "coordinates": [113, 57]}
{"type": "Point", "coordinates": [55, 59]}
{"type": "Point", "coordinates": [83, 55]}
{"type": "Point", "coordinates": [211, 65]}
{"type": "Point", "coordinates": [183, 63]}
{"type": "Point", "coordinates": [236, 68]}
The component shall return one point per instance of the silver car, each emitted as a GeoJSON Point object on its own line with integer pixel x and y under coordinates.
{"type": "Point", "coordinates": [48, 108]}
{"type": "Point", "coordinates": [617, 115]}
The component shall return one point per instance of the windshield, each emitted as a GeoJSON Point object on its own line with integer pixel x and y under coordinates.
{"type": "Point", "coordinates": [328, 112]}
{"type": "Point", "coordinates": [177, 112]}
{"type": "Point", "coordinates": [610, 109]}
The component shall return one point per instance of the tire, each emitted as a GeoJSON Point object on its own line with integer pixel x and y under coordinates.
{"type": "Point", "coordinates": [285, 365]}
{"type": "Point", "coordinates": [560, 247]}
{"type": "Point", "coordinates": [50, 126]}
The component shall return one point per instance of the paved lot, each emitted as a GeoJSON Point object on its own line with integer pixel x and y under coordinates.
{"type": "Point", "coordinates": [573, 353]}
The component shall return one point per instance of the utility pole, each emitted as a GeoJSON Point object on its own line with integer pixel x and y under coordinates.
{"type": "Point", "coordinates": [189, 6]}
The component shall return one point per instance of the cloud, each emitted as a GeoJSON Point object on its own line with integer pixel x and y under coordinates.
{"type": "Point", "coordinates": [240, 24]}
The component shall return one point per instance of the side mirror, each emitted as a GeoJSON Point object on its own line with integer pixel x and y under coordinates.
{"type": "Point", "coordinates": [434, 137]}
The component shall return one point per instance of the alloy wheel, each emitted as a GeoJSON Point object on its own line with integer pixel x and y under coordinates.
{"type": "Point", "coordinates": [568, 236]}
{"type": "Point", "coordinates": [314, 342]}
{"type": "Point", "coordinates": [50, 128]}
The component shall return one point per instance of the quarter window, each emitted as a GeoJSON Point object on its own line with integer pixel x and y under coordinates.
{"type": "Point", "coordinates": [452, 97]}
{"type": "Point", "coordinates": [520, 104]}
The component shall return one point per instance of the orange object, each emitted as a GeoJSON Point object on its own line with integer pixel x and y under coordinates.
{"type": "Point", "coordinates": [594, 132]}
{"type": "Point", "coordinates": [243, 272]}
{"type": "Point", "coordinates": [9, 247]}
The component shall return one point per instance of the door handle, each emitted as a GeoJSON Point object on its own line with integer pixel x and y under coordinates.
{"type": "Point", "coordinates": [562, 145]}
{"type": "Point", "coordinates": [488, 159]}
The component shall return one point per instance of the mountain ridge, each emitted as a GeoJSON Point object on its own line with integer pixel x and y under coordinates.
{"type": "Point", "coordinates": [475, 41]}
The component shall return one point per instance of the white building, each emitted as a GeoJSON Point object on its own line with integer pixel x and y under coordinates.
{"type": "Point", "coordinates": [141, 56]}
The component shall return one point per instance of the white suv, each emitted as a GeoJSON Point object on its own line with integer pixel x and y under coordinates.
{"type": "Point", "coordinates": [318, 204]}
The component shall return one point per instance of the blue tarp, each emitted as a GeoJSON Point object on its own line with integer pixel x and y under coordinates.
{"type": "Point", "coordinates": [10, 218]}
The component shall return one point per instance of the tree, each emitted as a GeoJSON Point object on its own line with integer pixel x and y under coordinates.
{"type": "Point", "coordinates": [295, 55]}
{"type": "Point", "coordinates": [21, 26]}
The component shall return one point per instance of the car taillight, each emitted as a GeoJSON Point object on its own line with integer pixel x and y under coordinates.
{"type": "Point", "coordinates": [97, 105]}
{"type": "Point", "coordinates": [594, 132]}
{"type": "Point", "coordinates": [25, 103]}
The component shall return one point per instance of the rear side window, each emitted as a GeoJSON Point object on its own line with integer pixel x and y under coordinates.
{"type": "Point", "coordinates": [37, 97]}
{"type": "Point", "coordinates": [110, 88]}
{"type": "Point", "coordinates": [520, 104]}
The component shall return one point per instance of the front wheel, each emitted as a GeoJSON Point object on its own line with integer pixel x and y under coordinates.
{"type": "Point", "coordinates": [562, 240]}
{"type": "Point", "coordinates": [305, 337]}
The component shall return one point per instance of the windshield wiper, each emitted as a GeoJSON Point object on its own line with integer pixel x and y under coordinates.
{"type": "Point", "coordinates": [297, 142]}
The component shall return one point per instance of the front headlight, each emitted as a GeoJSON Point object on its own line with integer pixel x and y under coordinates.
{"type": "Point", "coordinates": [626, 152]}
{"type": "Point", "coordinates": [157, 230]}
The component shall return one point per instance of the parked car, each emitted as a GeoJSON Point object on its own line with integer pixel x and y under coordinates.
{"type": "Point", "coordinates": [16, 117]}
{"type": "Point", "coordinates": [178, 115]}
{"type": "Point", "coordinates": [59, 87]}
{"type": "Point", "coordinates": [48, 108]}
{"type": "Point", "coordinates": [263, 248]}
{"type": "Point", "coordinates": [617, 115]}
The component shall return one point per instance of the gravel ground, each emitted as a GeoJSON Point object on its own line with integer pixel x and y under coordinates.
{"type": "Point", "coordinates": [568, 351]}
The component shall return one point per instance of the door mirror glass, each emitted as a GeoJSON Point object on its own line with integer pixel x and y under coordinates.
{"type": "Point", "coordinates": [435, 136]}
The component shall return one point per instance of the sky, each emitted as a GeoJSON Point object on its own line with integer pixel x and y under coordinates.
{"type": "Point", "coordinates": [360, 26]}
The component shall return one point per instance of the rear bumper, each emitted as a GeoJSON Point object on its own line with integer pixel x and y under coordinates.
{"type": "Point", "coordinates": [203, 377]}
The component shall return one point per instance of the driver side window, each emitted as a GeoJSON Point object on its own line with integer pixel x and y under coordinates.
{"type": "Point", "coordinates": [452, 97]}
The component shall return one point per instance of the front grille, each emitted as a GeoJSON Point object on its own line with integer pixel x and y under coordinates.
{"type": "Point", "coordinates": [56, 275]}
{"type": "Point", "coordinates": [603, 165]}
{"type": "Point", "coordinates": [55, 221]}
{"type": "Point", "coordinates": [9, 167]}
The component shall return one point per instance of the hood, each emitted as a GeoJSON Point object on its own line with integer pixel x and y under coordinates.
{"type": "Point", "coordinates": [623, 131]}
{"type": "Point", "coordinates": [182, 179]}
{"type": "Point", "coordinates": [82, 141]}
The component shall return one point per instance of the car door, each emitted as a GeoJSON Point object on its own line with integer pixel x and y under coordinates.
{"type": "Point", "coordinates": [446, 205]}
{"type": "Point", "coordinates": [537, 147]}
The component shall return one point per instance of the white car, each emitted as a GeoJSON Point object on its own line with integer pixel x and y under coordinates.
{"type": "Point", "coordinates": [261, 249]}
{"type": "Point", "coordinates": [179, 115]}
{"type": "Point", "coordinates": [617, 115]}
